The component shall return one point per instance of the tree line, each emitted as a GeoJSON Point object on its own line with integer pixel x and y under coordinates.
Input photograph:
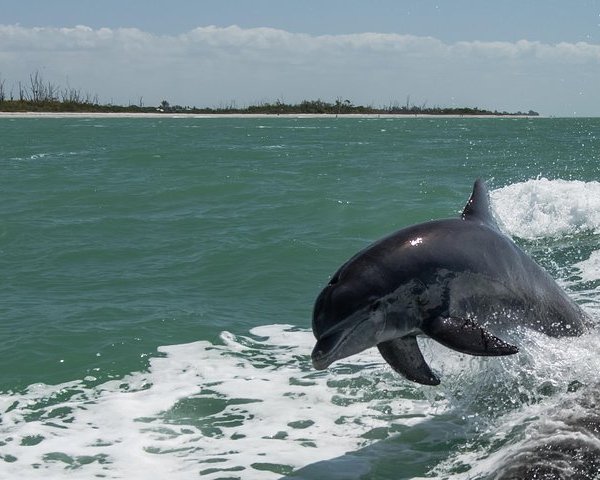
{"type": "Point", "coordinates": [38, 95]}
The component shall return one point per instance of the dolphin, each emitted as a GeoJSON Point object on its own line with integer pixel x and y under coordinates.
{"type": "Point", "coordinates": [459, 281]}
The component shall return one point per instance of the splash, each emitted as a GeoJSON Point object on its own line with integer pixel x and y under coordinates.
{"type": "Point", "coordinates": [252, 407]}
{"type": "Point", "coordinates": [590, 269]}
{"type": "Point", "coordinates": [548, 208]}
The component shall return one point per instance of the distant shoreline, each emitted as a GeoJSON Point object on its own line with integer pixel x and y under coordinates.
{"type": "Point", "coordinates": [244, 115]}
{"type": "Point", "coordinates": [38, 98]}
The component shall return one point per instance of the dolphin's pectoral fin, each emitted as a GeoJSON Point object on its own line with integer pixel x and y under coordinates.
{"type": "Point", "coordinates": [404, 357]}
{"type": "Point", "coordinates": [466, 336]}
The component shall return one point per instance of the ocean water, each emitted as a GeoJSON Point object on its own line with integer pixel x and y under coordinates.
{"type": "Point", "coordinates": [158, 277]}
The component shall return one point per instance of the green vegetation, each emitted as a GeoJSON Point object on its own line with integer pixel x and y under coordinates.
{"type": "Point", "coordinates": [40, 96]}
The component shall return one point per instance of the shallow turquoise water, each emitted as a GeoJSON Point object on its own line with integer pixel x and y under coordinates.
{"type": "Point", "coordinates": [119, 236]}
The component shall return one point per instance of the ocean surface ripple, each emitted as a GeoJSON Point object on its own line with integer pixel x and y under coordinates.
{"type": "Point", "coordinates": [158, 280]}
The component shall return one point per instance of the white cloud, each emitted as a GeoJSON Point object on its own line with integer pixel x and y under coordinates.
{"type": "Point", "coordinates": [209, 65]}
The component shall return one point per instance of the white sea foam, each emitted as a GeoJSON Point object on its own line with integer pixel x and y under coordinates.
{"type": "Point", "coordinates": [251, 407]}
{"type": "Point", "coordinates": [590, 269]}
{"type": "Point", "coordinates": [548, 208]}
{"type": "Point", "coordinates": [550, 369]}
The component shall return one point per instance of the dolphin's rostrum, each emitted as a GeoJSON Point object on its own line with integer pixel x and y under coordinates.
{"type": "Point", "coordinates": [454, 280]}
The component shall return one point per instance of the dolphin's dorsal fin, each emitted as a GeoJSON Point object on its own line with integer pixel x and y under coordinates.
{"type": "Point", "coordinates": [478, 205]}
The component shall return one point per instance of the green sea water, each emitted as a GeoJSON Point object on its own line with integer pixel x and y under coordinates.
{"type": "Point", "coordinates": [123, 241]}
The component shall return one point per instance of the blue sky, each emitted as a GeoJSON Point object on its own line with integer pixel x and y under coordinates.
{"type": "Point", "coordinates": [508, 55]}
{"type": "Point", "coordinates": [449, 20]}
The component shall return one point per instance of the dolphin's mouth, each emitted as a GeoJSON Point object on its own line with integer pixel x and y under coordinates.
{"type": "Point", "coordinates": [340, 344]}
{"type": "Point", "coordinates": [324, 351]}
